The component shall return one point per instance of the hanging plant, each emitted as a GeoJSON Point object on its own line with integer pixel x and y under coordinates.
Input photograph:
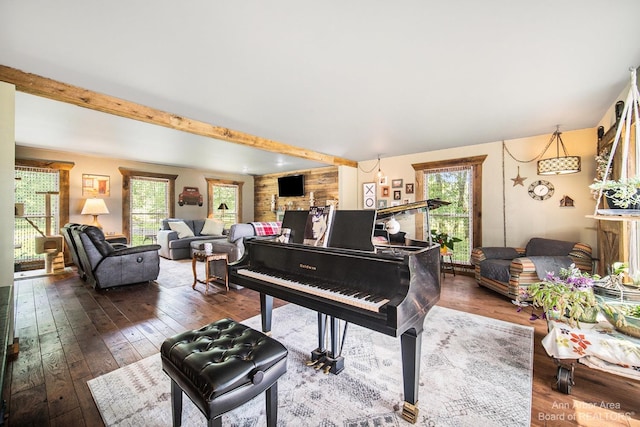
{"type": "Point", "coordinates": [621, 194]}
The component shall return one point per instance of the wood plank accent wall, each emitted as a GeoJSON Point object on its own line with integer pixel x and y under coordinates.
{"type": "Point", "coordinates": [322, 181]}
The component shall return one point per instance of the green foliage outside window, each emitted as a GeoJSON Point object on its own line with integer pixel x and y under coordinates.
{"type": "Point", "coordinates": [454, 186]}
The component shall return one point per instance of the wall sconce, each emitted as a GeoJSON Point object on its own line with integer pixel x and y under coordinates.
{"type": "Point", "coordinates": [273, 202]}
{"type": "Point", "coordinates": [95, 207]}
{"type": "Point", "coordinates": [558, 165]}
{"type": "Point", "coordinates": [312, 200]}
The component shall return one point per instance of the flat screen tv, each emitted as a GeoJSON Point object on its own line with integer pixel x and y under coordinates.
{"type": "Point", "coordinates": [291, 186]}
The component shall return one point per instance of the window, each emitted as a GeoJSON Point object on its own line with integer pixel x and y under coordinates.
{"type": "Point", "coordinates": [147, 198]}
{"type": "Point", "coordinates": [148, 206]}
{"type": "Point", "coordinates": [456, 181]}
{"type": "Point", "coordinates": [227, 192]}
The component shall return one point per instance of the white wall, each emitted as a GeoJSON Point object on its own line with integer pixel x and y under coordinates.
{"type": "Point", "coordinates": [7, 138]}
{"type": "Point", "coordinates": [109, 167]}
{"type": "Point", "coordinates": [7, 174]}
{"type": "Point", "coordinates": [508, 213]}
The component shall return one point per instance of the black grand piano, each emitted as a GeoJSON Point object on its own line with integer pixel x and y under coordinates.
{"type": "Point", "coordinates": [388, 289]}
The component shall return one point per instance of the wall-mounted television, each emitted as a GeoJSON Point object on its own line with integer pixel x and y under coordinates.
{"type": "Point", "coordinates": [291, 186]}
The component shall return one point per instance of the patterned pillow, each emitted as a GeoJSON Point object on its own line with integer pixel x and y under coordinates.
{"type": "Point", "coordinates": [181, 228]}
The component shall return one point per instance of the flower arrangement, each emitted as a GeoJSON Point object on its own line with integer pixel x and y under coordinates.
{"type": "Point", "coordinates": [443, 239]}
{"type": "Point", "coordinates": [568, 294]}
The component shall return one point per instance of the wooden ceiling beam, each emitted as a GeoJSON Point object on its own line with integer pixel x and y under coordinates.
{"type": "Point", "coordinates": [63, 92]}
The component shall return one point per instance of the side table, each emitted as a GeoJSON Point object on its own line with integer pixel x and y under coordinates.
{"type": "Point", "coordinates": [208, 258]}
{"type": "Point", "coordinates": [446, 265]}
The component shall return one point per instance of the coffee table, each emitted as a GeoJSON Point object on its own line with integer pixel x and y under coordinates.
{"type": "Point", "coordinates": [207, 258]}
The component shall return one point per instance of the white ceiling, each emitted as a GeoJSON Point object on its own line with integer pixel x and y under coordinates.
{"type": "Point", "coordinates": [352, 79]}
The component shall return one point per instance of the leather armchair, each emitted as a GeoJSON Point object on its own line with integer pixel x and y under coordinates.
{"type": "Point", "coordinates": [73, 247]}
{"type": "Point", "coordinates": [107, 266]}
{"type": "Point", "coordinates": [510, 270]}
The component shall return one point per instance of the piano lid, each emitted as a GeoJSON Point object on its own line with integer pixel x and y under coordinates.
{"type": "Point", "coordinates": [410, 208]}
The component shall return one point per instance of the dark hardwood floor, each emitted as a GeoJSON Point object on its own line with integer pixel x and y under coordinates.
{"type": "Point", "coordinates": [70, 333]}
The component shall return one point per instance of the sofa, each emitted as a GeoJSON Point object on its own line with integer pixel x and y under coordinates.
{"type": "Point", "coordinates": [510, 270]}
{"type": "Point", "coordinates": [176, 234]}
{"type": "Point", "coordinates": [107, 265]}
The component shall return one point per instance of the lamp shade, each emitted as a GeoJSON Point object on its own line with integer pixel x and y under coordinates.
{"type": "Point", "coordinates": [559, 165]}
{"type": "Point", "coordinates": [94, 207]}
{"type": "Point", "coordinates": [223, 206]}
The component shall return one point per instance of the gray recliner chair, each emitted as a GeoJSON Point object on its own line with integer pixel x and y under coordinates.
{"type": "Point", "coordinates": [107, 266]}
{"type": "Point", "coordinates": [73, 250]}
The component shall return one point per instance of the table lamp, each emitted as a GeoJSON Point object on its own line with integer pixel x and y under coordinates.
{"type": "Point", "coordinates": [95, 207]}
{"type": "Point", "coordinates": [223, 206]}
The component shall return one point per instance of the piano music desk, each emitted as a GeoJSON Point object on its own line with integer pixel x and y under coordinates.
{"type": "Point", "coordinates": [207, 258]}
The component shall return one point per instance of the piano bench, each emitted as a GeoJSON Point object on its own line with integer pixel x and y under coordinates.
{"type": "Point", "coordinates": [222, 366]}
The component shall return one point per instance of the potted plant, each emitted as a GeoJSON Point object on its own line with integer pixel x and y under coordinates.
{"type": "Point", "coordinates": [444, 240]}
{"type": "Point", "coordinates": [620, 194]}
{"type": "Point", "coordinates": [567, 295]}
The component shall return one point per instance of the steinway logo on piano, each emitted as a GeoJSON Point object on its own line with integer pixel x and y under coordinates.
{"type": "Point", "coordinates": [308, 267]}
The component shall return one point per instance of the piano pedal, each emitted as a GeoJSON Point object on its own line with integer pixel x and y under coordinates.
{"type": "Point", "coordinates": [327, 369]}
{"type": "Point", "coordinates": [312, 362]}
{"type": "Point", "coordinates": [320, 365]}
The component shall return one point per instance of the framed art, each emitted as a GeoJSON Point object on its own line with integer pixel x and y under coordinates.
{"type": "Point", "coordinates": [384, 191]}
{"type": "Point", "coordinates": [369, 195]}
{"type": "Point", "coordinates": [95, 185]}
{"type": "Point", "coordinates": [382, 180]}
{"type": "Point", "coordinates": [396, 183]}
{"type": "Point", "coordinates": [408, 188]}
{"type": "Point", "coordinates": [382, 203]}
{"type": "Point", "coordinates": [397, 195]}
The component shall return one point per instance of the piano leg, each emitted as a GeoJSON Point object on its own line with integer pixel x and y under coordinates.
{"type": "Point", "coordinates": [321, 358]}
{"type": "Point", "coordinates": [411, 345]}
{"type": "Point", "coordinates": [266, 307]}
{"type": "Point", "coordinates": [321, 351]}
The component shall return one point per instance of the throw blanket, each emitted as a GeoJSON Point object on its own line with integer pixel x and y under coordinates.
{"type": "Point", "coordinates": [547, 264]}
{"type": "Point", "coordinates": [266, 228]}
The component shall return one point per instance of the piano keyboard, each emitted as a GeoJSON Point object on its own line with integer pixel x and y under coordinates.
{"type": "Point", "coordinates": [346, 296]}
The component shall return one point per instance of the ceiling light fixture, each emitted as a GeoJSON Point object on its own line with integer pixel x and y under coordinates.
{"type": "Point", "coordinates": [379, 170]}
{"type": "Point", "coordinates": [558, 165]}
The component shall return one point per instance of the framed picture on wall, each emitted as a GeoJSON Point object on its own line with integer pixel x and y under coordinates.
{"type": "Point", "coordinates": [95, 185]}
{"type": "Point", "coordinates": [408, 188]}
{"type": "Point", "coordinates": [369, 195]}
{"type": "Point", "coordinates": [397, 195]}
{"type": "Point", "coordinates": [396, 183]}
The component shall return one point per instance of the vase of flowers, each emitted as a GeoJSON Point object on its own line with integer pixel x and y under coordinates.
{"type": "Point", "coordinates": [568, 295]}
{"type": "Point", "coordinates": [444, 240]}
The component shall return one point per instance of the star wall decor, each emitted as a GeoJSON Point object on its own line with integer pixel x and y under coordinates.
{"type": "Point", "coordinates": [518, 180]}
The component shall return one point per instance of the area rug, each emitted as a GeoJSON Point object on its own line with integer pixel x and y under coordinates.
{"type": "Point", "coordinates": [475, 371]}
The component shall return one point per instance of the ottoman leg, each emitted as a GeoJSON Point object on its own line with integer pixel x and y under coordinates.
{"type": "Point", "coordinates": [176, 404]}
{"type": "Point", "coordinates": [215, 422]}
{"type": "Point", "coordinates": [271, 396]}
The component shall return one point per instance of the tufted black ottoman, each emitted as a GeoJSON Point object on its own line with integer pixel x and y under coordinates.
{"type": "Point", "coordinates": [221, 366]}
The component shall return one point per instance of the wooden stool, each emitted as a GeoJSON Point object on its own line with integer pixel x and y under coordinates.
{"type": "Point", "coordinates": [222, 366]}
{"type": "Point", "coordinates": [446, 265]}
{"type": "Point", "coordinates": [209, 257]}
